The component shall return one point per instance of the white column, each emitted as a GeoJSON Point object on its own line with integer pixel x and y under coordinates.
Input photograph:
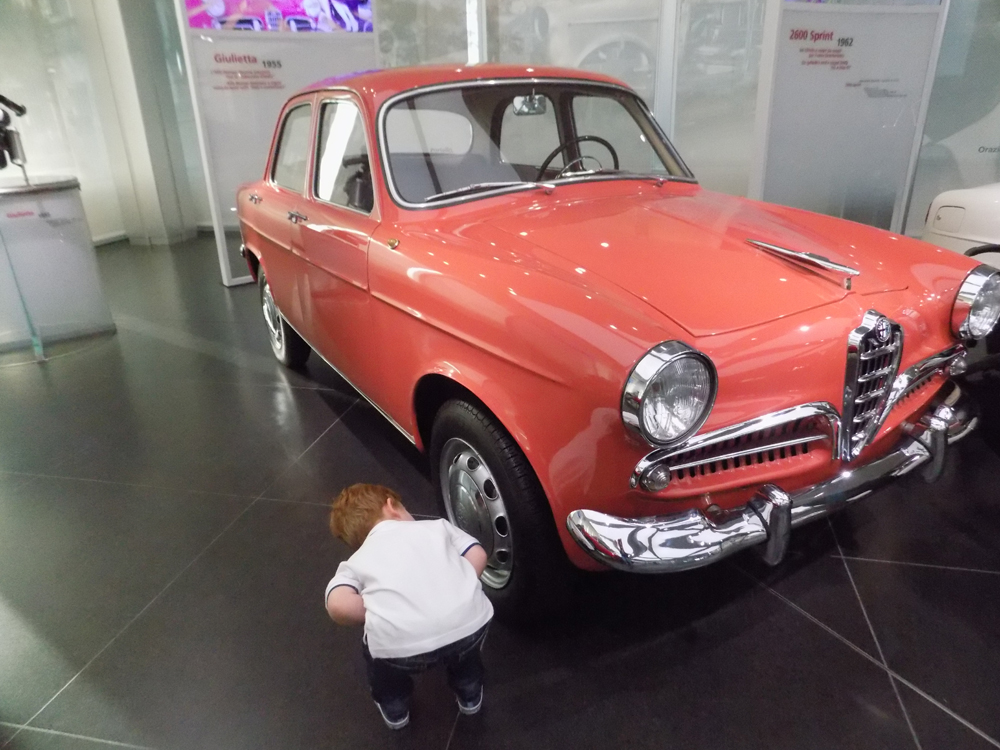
{"type": "Point", "coordinates": [139, 121]}
{"type": "Point", "coordinates": [475, 27]}
{"type": "Point", "coordinates": [765, 94]}
{"type": "Point", "coordinates": [665, 85]}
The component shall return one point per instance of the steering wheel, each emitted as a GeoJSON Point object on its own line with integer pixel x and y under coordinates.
{"type": "Point", "coordinates": [573, 141]}
{"type": "Point", "coordinates": [579, 161]}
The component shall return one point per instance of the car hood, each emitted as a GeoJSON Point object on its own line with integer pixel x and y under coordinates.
{"type": "Point", "coordinates": [684, 251]}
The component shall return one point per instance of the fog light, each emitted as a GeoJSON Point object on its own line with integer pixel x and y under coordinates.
{"type": "Point", "coordinates": [657, 478]}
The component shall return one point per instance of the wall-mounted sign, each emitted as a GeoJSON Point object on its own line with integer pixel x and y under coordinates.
{"type": "Point", "coordinates": [845, 105]}
{"type": "Point", "coordinates": [240, 81]}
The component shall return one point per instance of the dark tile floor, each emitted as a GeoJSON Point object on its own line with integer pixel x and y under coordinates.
{"type": "Point", "coordinates": [163, 552]}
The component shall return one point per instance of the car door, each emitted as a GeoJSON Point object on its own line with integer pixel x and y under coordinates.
{"type": "Point", "coordinates": [334, 241]}
{"type": "Point", "coordinates": [279, 201]}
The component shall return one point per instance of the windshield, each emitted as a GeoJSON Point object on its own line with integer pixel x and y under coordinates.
{"type": "Point", "coordinates": [477, 139]}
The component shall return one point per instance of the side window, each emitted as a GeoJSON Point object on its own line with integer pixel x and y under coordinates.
{"type": "Point", "coordinates": [292, 158]}
{"type": "Point", "coordinates": [527, 139]}
{"type": "Point", "coordinates": [343, 172]}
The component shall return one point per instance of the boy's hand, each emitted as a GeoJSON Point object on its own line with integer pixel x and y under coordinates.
{"type": "Point", "coordinates": [345, 606]}
{"type": "Point", "coordinates": [477, 556]}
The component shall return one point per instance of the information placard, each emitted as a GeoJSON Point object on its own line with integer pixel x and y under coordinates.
{"type": "Point", "coordinates": [849, 92]}
{"type": "Point", "coordinates": [240, 80]}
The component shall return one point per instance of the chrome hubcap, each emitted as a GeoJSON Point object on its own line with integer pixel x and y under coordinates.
{"type": "Point", "coordinates": [272, 317]}
{"type": "Point", "coordinates": [473, 503]}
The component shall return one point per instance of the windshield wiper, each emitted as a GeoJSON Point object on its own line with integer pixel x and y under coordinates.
{"type": "Point", "coordinates": [617, 174]}
{"type": "Point", "coordinates": [654, 177]}
{"type": "Point", "coordinates": [477, 187]}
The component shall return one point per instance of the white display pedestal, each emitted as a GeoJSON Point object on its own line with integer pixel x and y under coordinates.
{"type": "Point", "coordinates": [50, 289]}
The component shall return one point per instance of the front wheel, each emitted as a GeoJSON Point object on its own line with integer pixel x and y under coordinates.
{"type": "Point", "coordinates": [490, 491]}
{"type": "Point", "coordinates": [288, 347]}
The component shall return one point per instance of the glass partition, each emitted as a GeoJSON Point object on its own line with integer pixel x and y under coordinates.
{"type": "Point", "coordinates": [616, 37]}
{"type": "Point", "coordinates": [717, 53]}
{"type": "Point", "coordinates": [415, 32]}
{"type": "Point", "coordinates": [43, 66]}
{"type": "Point", "coordinates": [718, 64]}
{"type": "Point", "coordinates": [961, 143]}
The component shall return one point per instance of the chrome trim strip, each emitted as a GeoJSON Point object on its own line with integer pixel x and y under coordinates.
{"type": "Point", "coordinates": [681, 541]}
{"type": "Point", "coordinates": [878, 373]}
{"type": "Point", "coordinates": [809, 258]}
{"type": "Point", "coordinates": [822, 409]}
{"type": "Point", "coordinates": [872, 355]}
{"type": "Point", "coordinates": [347, 380]}
{"type": "Point", "coordinates": [471, 82]}
{"type": "Point", "coordinates": [922, 371]}
{"type": "Point", "coordinates": [852, 442]}
{"type": "Point", "coordinates": [966, 298]}
{"type": "Point", "coordinates": [645, 370]}
{"type": "Point", "coordinates": [750, 451]}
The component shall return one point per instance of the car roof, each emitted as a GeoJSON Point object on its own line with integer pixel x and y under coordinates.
{"type": "Point", "coordinates": [379, 85]}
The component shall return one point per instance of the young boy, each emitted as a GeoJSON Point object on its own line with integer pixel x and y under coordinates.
{"type": "Point", "coordinates": [415, 587]}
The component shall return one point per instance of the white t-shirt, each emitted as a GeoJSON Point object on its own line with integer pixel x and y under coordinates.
{"type": "Point", "coordinates": [419, 592]}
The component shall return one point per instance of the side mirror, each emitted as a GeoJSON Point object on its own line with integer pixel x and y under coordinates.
{"type": "Point", "coordinates": [530, 105]}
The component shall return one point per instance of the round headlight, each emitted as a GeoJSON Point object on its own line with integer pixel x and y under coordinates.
{"type": "Point", "coordinates": [669, 394]}
{"type": "Point", "coordinates": [977, 307]}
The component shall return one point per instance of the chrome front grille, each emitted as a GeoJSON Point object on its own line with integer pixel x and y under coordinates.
{"type": "Point", "coordinates": [874, 352]}
{"type": "Point", "coordinates": [873, 388]}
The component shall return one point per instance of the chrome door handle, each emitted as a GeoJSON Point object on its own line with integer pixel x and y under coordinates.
{"type": "Point", "coordinates": [255, 199]}
{"type": "Point", "coordinates": [295, 217]}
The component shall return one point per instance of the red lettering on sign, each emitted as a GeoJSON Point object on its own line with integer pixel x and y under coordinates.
{"type": "Point", "coordinates": [221, 58]}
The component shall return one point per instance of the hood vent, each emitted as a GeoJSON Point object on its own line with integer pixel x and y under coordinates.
{"type": "Point", "coordinates": [810, 259]}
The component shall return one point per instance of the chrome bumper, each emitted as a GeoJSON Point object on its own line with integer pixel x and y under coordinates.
{"type": "Point", "coordinates": [664, 544]}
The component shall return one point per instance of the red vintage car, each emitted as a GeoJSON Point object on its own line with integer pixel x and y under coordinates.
{"type": "Point", "coordinates": [605, 362]}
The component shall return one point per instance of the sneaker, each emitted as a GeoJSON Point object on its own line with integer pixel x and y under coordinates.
{"type": "Point", "coordinates": [394, 719]}
{"type": "Point", "coordinates": [469, 707]}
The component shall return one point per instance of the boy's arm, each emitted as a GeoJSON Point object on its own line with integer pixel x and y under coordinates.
{"type": "Point", "coordinates": [477, 556]}
{"type": "Point", "coordinates": [345, 606]}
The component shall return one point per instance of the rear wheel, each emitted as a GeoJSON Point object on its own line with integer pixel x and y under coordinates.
{"type": "Point", "coordinates": [287, 345]}
{"type": "Point", "coordinates": [489, 490]}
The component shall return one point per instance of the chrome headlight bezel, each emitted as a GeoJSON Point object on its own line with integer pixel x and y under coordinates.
{"type": "Point", "coordinates": [645, 371]}
{"type": "Point", "coordinates": [969, 294]}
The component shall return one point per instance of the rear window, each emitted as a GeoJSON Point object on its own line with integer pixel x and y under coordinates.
{"type": "Point", "coordinates": [291, 161]}
{"type": "Point", "coordinates": [432, 131]}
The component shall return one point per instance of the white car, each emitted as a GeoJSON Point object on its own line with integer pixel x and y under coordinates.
{"type": "Point", "coordinates": [968, 222]}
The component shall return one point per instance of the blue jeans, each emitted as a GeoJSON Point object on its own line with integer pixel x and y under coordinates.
{"type": "Point", "coordinates": [391, 682]}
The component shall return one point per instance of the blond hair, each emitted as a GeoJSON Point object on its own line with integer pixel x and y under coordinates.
{"type": "Point", "coordinates": [357, 509]}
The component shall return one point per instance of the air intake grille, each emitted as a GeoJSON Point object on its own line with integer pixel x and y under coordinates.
{"type": "Point", "coordinates": [765, 446]}
{"type": "Point", "coordinates": [873, 355]}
